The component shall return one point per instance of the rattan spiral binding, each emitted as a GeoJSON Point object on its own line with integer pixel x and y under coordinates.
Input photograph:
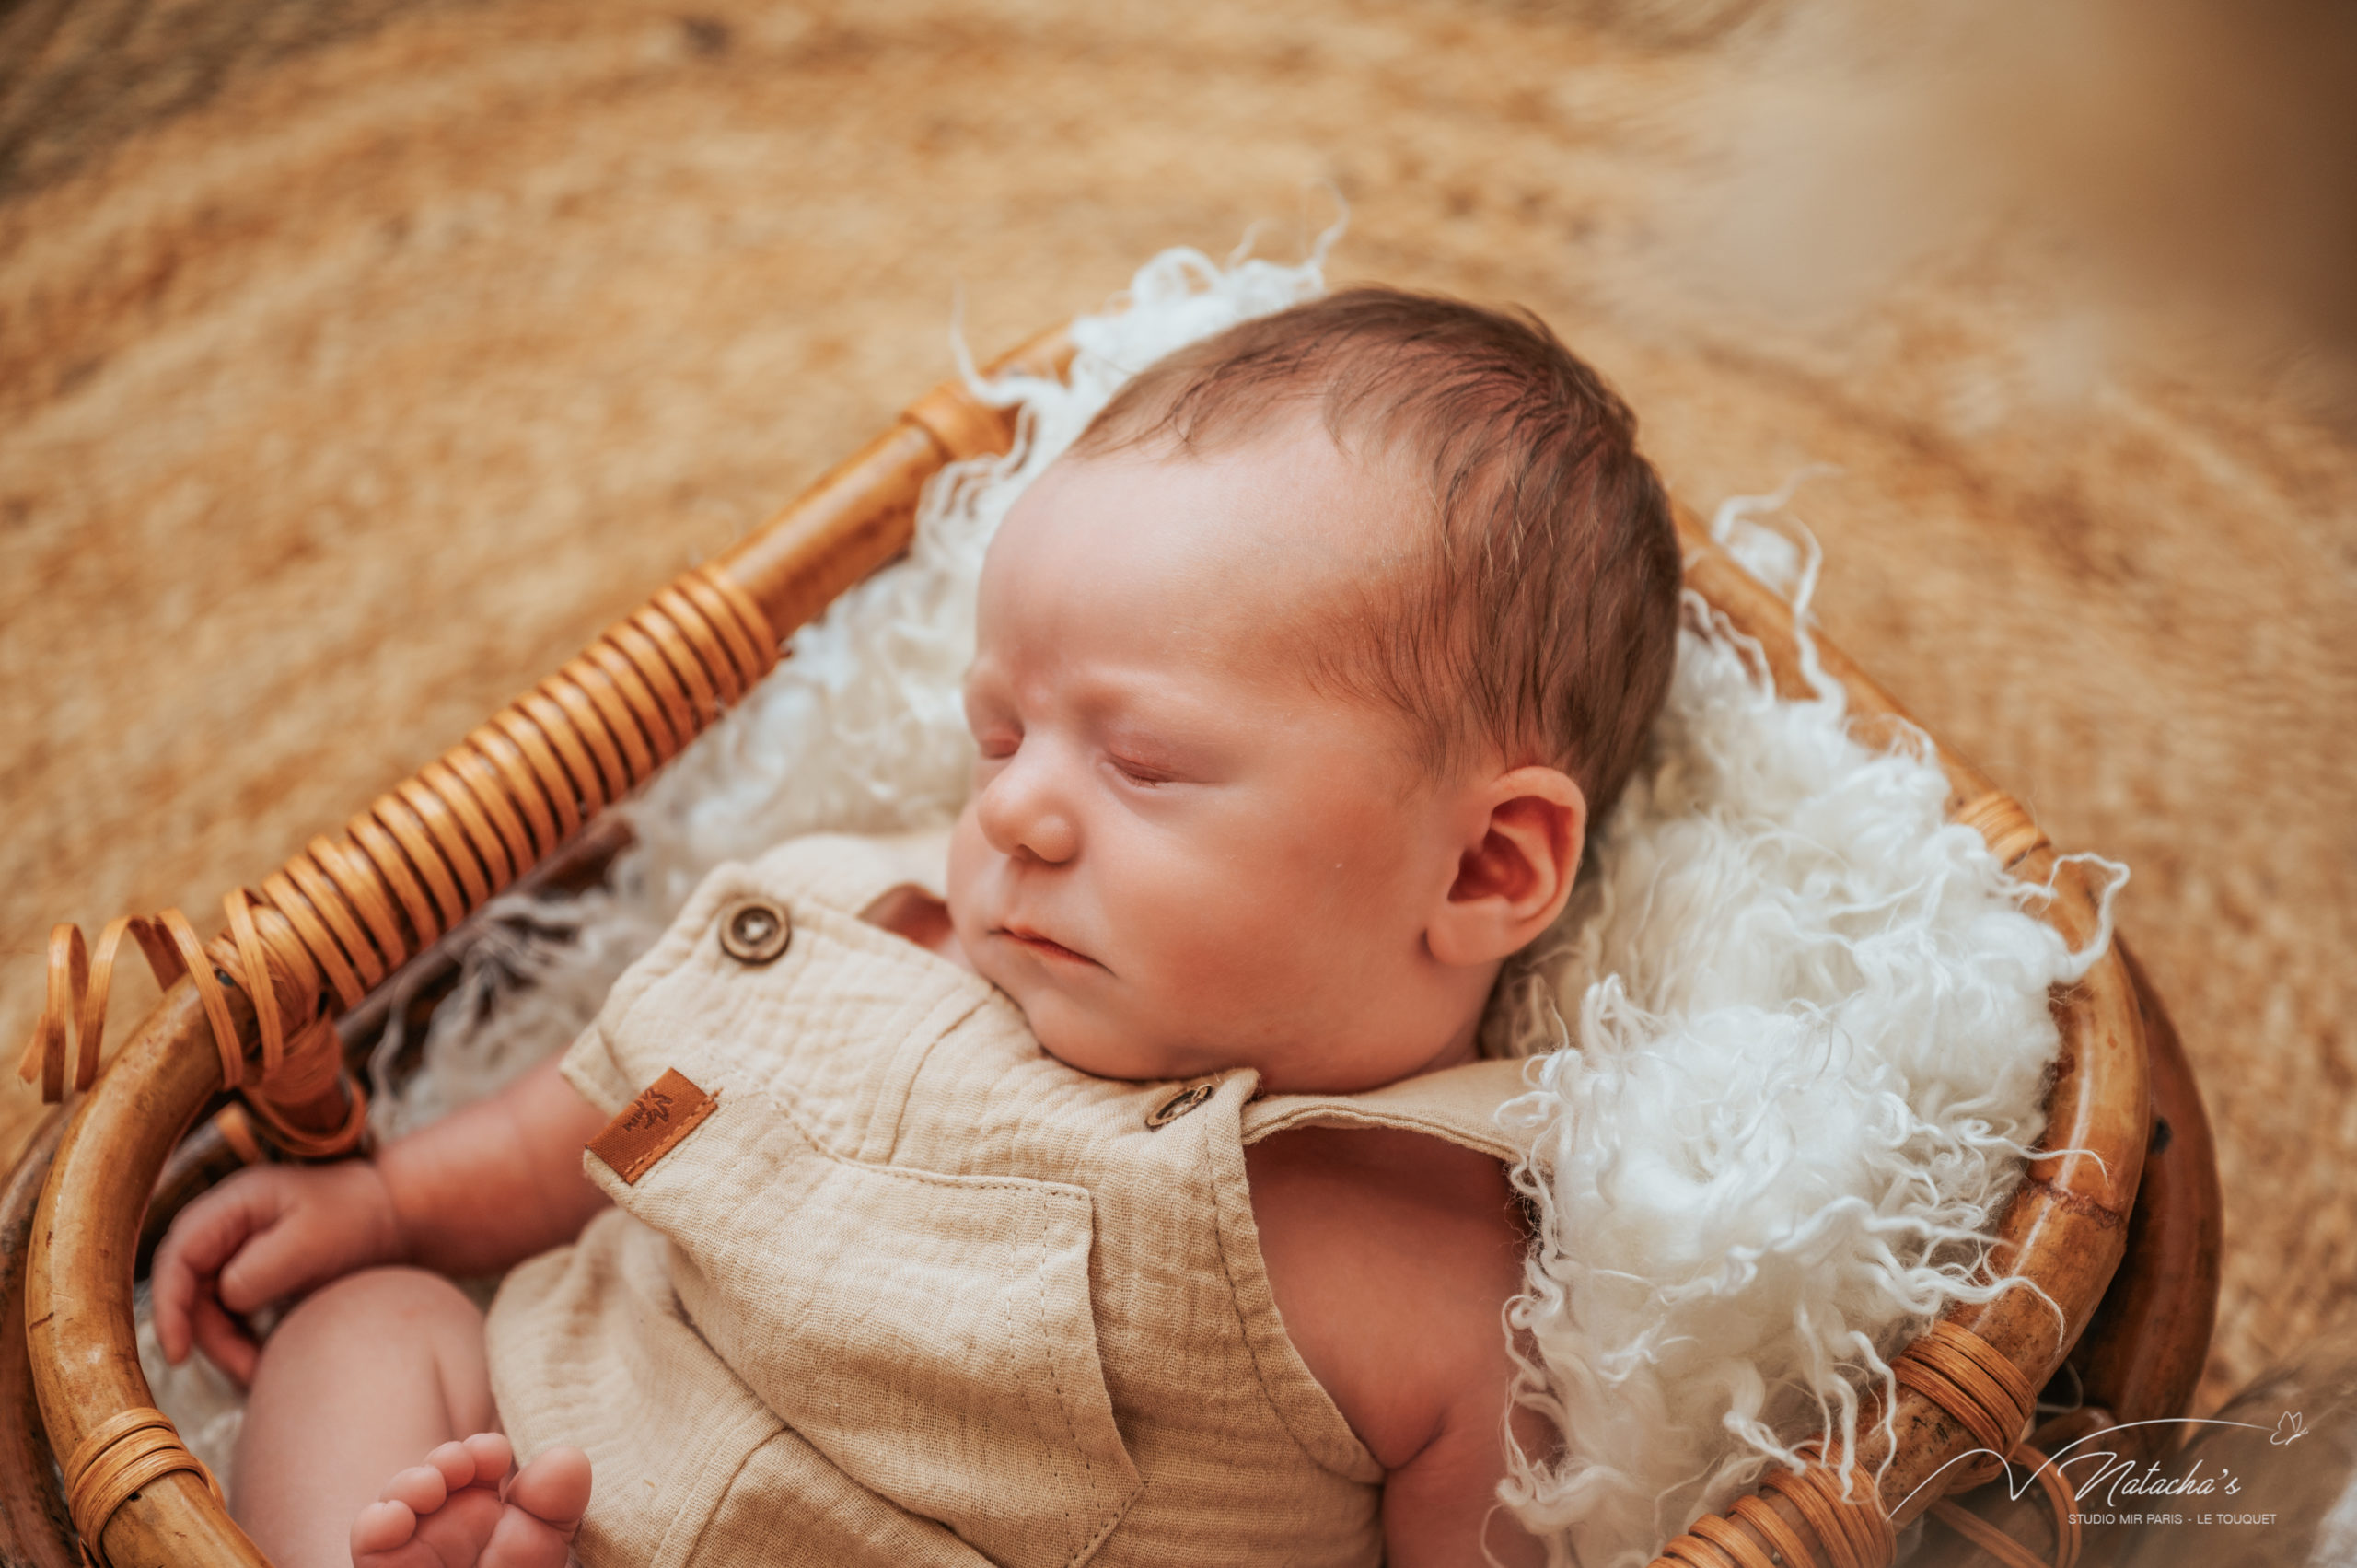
{"type": "Point", "coordinates": [349, 910]}
{"type": "Point", "coordinates": [1958, 1371]}
{"type": "Point", "coordinates": [110, 1467]}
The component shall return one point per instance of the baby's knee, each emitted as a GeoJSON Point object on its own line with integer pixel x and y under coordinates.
{"type": "Point", "coordinates": [382, 1310]}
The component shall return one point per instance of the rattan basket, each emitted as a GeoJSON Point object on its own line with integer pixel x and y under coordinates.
{"type": "Point", "coordinates": [2121, 1233]}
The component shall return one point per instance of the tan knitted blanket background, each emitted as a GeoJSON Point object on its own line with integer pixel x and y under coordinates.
{"type": "Point", "coordinates": [359, 360]}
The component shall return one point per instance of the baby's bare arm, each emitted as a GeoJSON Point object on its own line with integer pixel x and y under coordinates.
{"type": "Point", "coordinates": [493, 1184]}
{"type": "Point", "coordinates": [485, 1188]}
{"type": "Point", "coordinates": [1441, 1509]}
{"type": "Point", "coordinates": [1391, 1256]}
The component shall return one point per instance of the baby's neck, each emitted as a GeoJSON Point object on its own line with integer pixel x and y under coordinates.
{"type": "Point", "coordinates": [1337, 1077]}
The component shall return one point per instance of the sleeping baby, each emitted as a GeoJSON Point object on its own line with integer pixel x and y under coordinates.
{"type": "Point", "coordinates": [1128, 1190]}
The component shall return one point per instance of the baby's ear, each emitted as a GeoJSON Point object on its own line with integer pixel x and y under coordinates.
{"type": "Point", "coordinates": [1523, 850]}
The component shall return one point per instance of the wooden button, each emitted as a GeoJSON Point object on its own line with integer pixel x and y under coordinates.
{"type": "Point", "coordinates": [1178, 1105]}
{"type": "Point", "coordinates": [754, 931]}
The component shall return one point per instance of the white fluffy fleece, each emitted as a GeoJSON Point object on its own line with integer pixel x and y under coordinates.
{"type": "Point", "coordinates": [1807, 1019]}
{"type": "Point", "coordinates": [1812, 1042]}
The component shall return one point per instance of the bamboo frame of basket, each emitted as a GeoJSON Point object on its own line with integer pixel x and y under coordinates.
{"type": "Point", "coordinates": [2065, 1228]}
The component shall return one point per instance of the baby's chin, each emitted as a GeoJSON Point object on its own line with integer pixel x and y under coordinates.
{"type": "Point", "coordinates": [1101, 1048]}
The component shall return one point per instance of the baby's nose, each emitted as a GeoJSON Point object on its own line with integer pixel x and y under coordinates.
{"type": "Point", "coordinates": [1023, 813]}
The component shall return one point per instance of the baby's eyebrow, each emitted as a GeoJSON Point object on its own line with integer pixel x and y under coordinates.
{"type": "Point", "coordinates": [1163, 732]}
{"type": "Point", "coordinates": [1117, 699]}
{"type": "Point", "coordinates": [1144, 743]}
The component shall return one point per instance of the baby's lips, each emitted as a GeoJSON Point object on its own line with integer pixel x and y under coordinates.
{"type": "Point", "coordinates": [1045, 945]}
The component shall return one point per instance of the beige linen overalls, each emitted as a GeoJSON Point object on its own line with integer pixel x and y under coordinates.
{"type": "Point", "coordinates": [914, 1292]}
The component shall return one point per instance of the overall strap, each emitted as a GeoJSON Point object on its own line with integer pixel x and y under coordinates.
{"type": "Point", "coordinates": [1459, 1105]}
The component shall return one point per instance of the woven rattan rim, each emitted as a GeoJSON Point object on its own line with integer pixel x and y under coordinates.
{"type": "Point", "coordinates": [353, 908]}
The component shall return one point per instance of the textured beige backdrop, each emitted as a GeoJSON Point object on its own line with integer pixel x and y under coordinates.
{"type": "Point", "coordinates": [358, 365]}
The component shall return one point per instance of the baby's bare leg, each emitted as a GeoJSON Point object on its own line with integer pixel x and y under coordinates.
{"type": "Point", "coordinates": [363, 1380]}
{"type": "Point", "coordinates": [360, 1381]}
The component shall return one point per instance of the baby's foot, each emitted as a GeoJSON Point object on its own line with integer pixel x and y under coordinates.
{"type": "Point", "coordinates": [451, 1511]}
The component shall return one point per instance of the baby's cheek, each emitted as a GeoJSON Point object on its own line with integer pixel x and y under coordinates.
{"type": "Point", "coordinates": [1341, 875]}
{"type": "Point", "coordinates": [1235, 952]}
{"type": "Point", "coordinates": [968, 857]}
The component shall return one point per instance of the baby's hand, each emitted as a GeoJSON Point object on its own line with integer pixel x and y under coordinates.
{"type": "Point", "coordinates": [265, 1235]}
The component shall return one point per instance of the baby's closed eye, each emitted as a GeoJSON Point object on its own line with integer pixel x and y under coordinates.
{"type": "Point", "coordinates": [1145, 776]}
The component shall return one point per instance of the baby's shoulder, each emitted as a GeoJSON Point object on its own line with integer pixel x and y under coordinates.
{"type": "Point", "coordinates": [1391, 1254]}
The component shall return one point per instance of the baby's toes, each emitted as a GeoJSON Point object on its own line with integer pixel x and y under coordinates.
{"type": "Point", "coordinates": [456, 1463]}
{"type": "Point", "coordinates": [381, 1528]}
{"type": "Point", "coordinates": [553, 1488]}
{"type": "Point", "coordinates": [423, 1487]}
{"type": "Point", "coordinates": [545, 1503]}
{"type": "Point", "coordinates": [437, 1514]}
{"type": "Point", "coordinates": [454, 1533]}
{"type": "Point", "coordinates": [493, 1457]}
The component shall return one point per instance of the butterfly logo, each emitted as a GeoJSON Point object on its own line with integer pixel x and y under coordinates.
{"type": "Point", "coordinates": [2288, 1430]}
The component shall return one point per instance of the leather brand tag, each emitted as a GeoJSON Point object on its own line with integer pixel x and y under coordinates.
{"type": "Point", "coordinates": [665, 1111]}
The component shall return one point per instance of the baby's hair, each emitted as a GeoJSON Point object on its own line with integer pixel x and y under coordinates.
{"type": "Point", "coordinates": [1541, 618]}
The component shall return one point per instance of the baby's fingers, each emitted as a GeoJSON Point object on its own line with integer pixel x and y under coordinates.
{"type": "Point", "coordinates": [171, 1293]}
{"type": "Point", "coordinates": [207, 1233]}
{"type": "Point", "coordinates": [294, 1254]}
{"type": "Point", "coordinates": [224, 1340]}
{"type": "Point", "coordinates": [312, 1225]}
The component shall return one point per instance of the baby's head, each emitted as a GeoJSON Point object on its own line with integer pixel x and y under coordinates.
{"type": "Point", "coordinates": [1298, 681]}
